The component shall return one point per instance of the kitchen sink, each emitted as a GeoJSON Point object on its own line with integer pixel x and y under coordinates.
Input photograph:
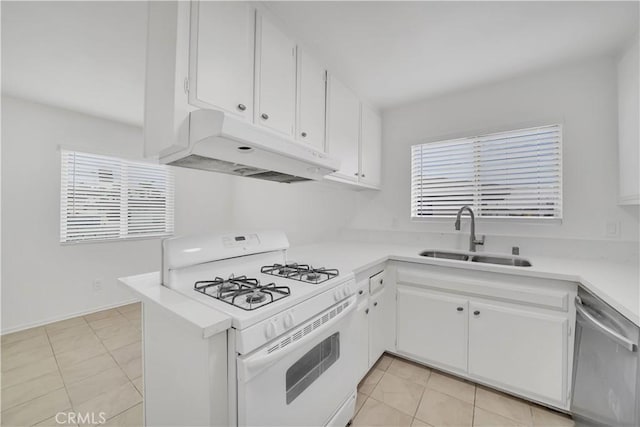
{"type": "Point", "coordinates": [513, 261]}
{"type": "Point", "coordinates": [487, 259]}
{"type": "Point", "coordinates": [445, 255]}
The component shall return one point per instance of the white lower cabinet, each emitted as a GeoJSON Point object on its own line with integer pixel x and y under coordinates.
{"type": "Point", "coordinates": [361, 325]}
{"type": "Point", "coordinates": [519, 349]}
{"type": "Point", "coordinates": [433, 327]}
{"type": "Point", "coordinates": [381, 317]}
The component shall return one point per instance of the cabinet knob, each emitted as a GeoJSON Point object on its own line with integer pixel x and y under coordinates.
{"type": "Point", "coordinates": [460, 309]}
{"type": "Point", "coordinates": [362, 175]}
{"type": "Point", "coordinates": [303, 134]}
{"type": "Point", "coordinates": [360, 292]}
{"type": "Point", "coordinates": [476, 313]}
{"type": "Point", "coordinates": [242, 107]}
{"type": "Point", "coordinates": [366, 311]}
{"type": "Point", "coordinates": [356, 174]}
{"type": "Point", "coordinates": [381, 280]}
{"type": "Point", "coordinates": [375, 304]}
{"type": "Point", "coordinates": [264, 116]}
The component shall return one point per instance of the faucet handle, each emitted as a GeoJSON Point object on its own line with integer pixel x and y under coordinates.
{"type": "Point", "coordinates": [479, 241]}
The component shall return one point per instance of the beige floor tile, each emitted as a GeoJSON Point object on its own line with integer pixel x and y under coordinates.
{"type": "Point", "coordinates": [23, 335]}
{"type": "Point", "coordinates": [133, 315]}
{"type": "Point", "coordinates": [398, 393]}
{"type": "Point", "coordinates": [74, 343]}
{"type": "Point", "coordinates": [23, 346]}
{"type": "Point", "coordinates": [417, 423]}
{"type": "Point", "coordinates": [36, 410]}
{"type": "Point", "coordinates": [115, 331]}
{"type": "Point", "coordinates": [375, 413]}
{"type": "Point", "coordinates": [125, 337]}
{"type": "Point", "coordinates": [113, 402]}
{"type": "Point", "coordinates": [87, 368]}
{"type": "Point", "coordinates": [137, 382]}
{"type": "Point", "coordinates": [73, 331]}
{"type": "Point", "coordinates": [77, 355]}
{"type": "Point", "coordinates": [136, 323]}
{"type": "Point", "coordinates": [360, 399]}
{"type": "Point", "coordinates": [409, 371]}
{"type": "Point", "coordinates": [370, 380]}
{"type": "Point", "coordinates": [484, 418]}
{"type": "Point", "coordinates": [547, 418]}
{"type": "Point", "coordinates": [452, 386]}
{"type": "Point", "coordinates": [440, 409]}
{"type": "Point", "coordinates": [116, 320]}
{"type": "Point", "coordinates": [53, 421]}
{"type": "Point", "coordinates": [64, 324]}
{"type": "Point", "coordinates": [383, 362]}
{"type": "Point", "coordinates": [504, 405]}
{"type": "Point", "coordinates": [28, 372]}
{"type": "Point", "coordinates": [135, 306]}
{"type": "Point", "coordinates": [132, 417]}
{"type": "Point", "coordinates": [129, 356]}
{"type": "Point", "coordinates": [92, 387]}
{"type": "Point", "coordinates": [104, 314]}
{"type": "Point", "coordinates": [12, 360]}
{"type": "Point", "coordinates": [23, 392]}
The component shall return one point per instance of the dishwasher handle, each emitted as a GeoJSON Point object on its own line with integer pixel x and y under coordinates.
{"type": "Point", "coordinates": [614, 335]}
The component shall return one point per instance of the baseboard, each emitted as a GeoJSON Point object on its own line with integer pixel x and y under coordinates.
{"type": "Point", "coordinates": [66, 316]}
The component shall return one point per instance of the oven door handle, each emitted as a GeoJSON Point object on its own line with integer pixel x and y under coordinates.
{"type": "Point", "coordinates": [614, 335]}
{"type": "Point", "coordinates": [256, 363]}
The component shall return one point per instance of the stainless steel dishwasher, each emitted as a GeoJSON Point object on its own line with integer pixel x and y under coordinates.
{"type": "Point", "coordinates": [606, 386]}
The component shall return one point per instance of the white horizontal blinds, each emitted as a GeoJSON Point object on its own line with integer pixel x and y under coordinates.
{"type": "Point", "coordinates": [106, 198]}
{"type": "Point", "coordinates": [508, 174]}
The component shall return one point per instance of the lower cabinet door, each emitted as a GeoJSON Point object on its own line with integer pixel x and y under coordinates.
{"type": "Point", "coordinates": [522, 350]}
{"type": "Point", "coordinates": [432, 327]}
{"type": "Point", "coordinates": [361, 327]}
{"type": "Point", "coordinates": [380, 324]}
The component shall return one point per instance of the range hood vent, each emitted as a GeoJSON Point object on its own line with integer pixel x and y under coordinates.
{"type": "Point", "coordinates": [222, 143]}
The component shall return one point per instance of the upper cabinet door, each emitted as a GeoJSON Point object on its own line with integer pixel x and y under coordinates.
{"type": "Point", "coordinates": [370, 147]}
{"type": "Point", "coordinates": [312, 80]}
{"type": "Point", "coordinates": [343, 122]}
{"type": "Point", "coordinates": [275, 78]}
{"type": "Point", "coordinates": [222, 66]}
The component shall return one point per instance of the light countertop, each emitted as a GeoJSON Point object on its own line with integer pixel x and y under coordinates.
{"type": "Point", "coordinates": [618, 284]}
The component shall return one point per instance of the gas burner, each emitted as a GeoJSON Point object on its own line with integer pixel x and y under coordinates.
{"type": "Point", "coordinates": [254, 294]}
{"type": "Point", "coordinates": [301, 272]}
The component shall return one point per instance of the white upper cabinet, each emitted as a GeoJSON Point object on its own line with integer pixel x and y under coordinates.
{"type": "Point", "coordinates": [275, 78]}
{"type": "Point", "coordinates": [343, 124]}
{"type": "Point", "coordinates": [222, 52]}
{"type": "Point", "coordinates": [629, 126]}
{"type": "Point", "coordinates": [312, 78]}
{"type": "Point", "coordinates": [370, 146]}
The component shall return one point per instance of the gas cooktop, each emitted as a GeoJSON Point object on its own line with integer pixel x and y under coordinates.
{"type": "Point", "coordinates": [243, 292]}
{"type": "Point", "coordinates": [301, 272]}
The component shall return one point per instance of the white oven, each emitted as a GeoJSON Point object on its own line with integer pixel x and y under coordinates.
{"type": "Point", "coordinates": [304, 376]}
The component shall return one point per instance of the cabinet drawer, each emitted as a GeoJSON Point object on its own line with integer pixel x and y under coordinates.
{"type": "Point", "coordinates": [376, 282]}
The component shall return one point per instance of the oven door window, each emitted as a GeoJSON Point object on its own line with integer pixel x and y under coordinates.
{"type": "Point", "coordinates": [311, 366]}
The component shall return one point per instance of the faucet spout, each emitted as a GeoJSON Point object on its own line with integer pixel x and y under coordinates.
{"type": "Point", "coordinates": [472, 237]}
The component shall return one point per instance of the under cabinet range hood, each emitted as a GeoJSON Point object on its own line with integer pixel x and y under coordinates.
{"type": "Point", "coordinates": [221, 143]}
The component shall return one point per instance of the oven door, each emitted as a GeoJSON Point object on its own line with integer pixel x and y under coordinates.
{"type": "Point", "coordinates": [303, 377]}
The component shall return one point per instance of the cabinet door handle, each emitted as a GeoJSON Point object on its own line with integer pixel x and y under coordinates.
{"type": "Point", "coordinates": [360, 292]}
{"type": "Point", "coordinates": [356, 174]}
{"type": "Point", "coordinates": [381, 280]}
{"type": "Point", "coordinates": [460, 309]}
{"type": "Point", "coordinates": [242, 107]}
{"type": "Point", "coordinates": [366, 311]}
{"type": "Point", "coordinates": [303, 134]}
{"type": "Point", "coordinates": [375, 304]}
{"type": "Point", "coordinates": [476, 313]}
{"type": "Point", "coordinates": [362, 175]}
{"type": "Point", "coordinates": [264, 116]}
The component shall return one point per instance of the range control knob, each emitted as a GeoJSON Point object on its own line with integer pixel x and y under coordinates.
{"type": "Point", "coordinates": [270, 330]}
{"type": "Point", "coordinates": [288, 320]}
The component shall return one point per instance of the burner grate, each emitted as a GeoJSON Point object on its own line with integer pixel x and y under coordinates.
{"type": "Point", "coordinates": [242, 292]}
{"type": "Point", "coordinates": [301, 272]}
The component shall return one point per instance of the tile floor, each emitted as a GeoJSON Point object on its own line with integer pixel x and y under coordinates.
{"type": "Point", "coordinates": [397, 392]}
{"type": "Point", "coordinates": [87, 364]}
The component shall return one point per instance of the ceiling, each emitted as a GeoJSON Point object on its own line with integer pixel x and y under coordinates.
{"type": "Point", "coordinates": [90, 56]}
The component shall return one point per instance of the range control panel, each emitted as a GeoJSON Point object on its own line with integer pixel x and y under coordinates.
{"type": "Point", "coordinates": [244, 240]}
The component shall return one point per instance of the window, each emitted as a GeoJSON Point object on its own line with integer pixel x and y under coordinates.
{"type": "Point", "coordinates": [516, 174]}
{"type": "Point", "coordinates": [106, 198]}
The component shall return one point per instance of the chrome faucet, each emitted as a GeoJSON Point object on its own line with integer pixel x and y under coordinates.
{"type": "Point", "coordinates": [472, 238]}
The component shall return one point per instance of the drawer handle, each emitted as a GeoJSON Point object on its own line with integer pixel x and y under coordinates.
{"type": "Point", "coordinates": [476, 313]}
{"type": "Point", "coordinates": [242, 107]}
{"type": "Point", "coordinates": [360, 292]}
{"type": "Point", "coordinates": [460, 309]}
{"type": "Point", "coordinates": [366, 311]}
{"type": "Point", "coordinates": [304, 134]}
{"type": "Point", "coordinates": [375, 304]}
{"type": "Point", "coordinates": [381, 280]}
{"type": "Point", "coordinates": [264, 116]}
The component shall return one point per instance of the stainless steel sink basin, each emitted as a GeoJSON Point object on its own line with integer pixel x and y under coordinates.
{"type": "Point", "coordinates": [445, 255]}
{"type": "Point", "coordinates": [513, 261]}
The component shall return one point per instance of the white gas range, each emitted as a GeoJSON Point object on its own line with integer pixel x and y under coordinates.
{"type": "Point", "coordinates": [291, 341]}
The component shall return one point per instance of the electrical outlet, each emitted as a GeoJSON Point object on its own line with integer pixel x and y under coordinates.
{"type": "Point", "coordinates": [97, 285]}
{"type": "Point", "coordinates": [612, 229]}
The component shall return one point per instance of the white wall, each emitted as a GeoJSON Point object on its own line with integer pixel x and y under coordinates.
{"type": "Point", "coordinates": [628, 121]}
{"type": "Point", "coordinates": [582, 96]}
{"type": "Point", "coordinates": [43, 280]}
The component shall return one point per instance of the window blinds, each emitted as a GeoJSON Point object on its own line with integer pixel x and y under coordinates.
{"type": "Point", "coordinates": [508, 174]}
{"type": "Point", "coordinates": [106, 198]}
